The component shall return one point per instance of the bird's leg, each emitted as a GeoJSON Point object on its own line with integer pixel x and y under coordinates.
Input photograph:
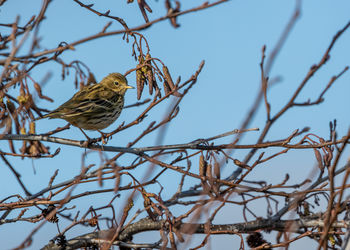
{"type": "Point", "coordinates": [103, 137]}
{"type": "Point", "coordinates": [89, 141]}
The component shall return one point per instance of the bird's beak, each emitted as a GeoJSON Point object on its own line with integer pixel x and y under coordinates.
{"type": "Point", "coordinates": [129, 87]}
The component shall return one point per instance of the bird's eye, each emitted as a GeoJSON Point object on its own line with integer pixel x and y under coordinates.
{"type": "Point", "coordinates": [116, 83]}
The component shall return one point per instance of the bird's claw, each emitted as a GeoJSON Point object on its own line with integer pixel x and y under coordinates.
{"type": "Point", "coordinates": [104, 136]}
{"type": "Point", "coordinates": [88, 142]}
{"type": "Point", "coordinates": [199, 141]}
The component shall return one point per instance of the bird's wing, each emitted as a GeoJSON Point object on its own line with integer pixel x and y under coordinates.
{"type": "Point", "coordinates": [98, 102]}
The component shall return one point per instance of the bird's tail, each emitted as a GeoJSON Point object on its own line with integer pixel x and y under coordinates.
{"type": "Point", "coordinates": [49, 115]}
{"type": "Point", "coordinates": [39, 118]}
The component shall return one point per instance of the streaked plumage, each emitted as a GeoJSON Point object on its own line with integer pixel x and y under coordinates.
{"type": "Point", "coordinates": [94, 107]}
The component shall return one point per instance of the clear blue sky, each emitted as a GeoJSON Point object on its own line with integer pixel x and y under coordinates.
{"type": "Point", "coordinates": [229, 37]}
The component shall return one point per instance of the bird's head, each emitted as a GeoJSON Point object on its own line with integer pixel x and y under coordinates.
{"type": "Point", "coordinates": [116, 82]}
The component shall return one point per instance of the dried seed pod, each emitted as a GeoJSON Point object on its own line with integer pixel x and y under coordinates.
{"type": "Point", "coordinates": [28, 102]}
{"type": "Point", "coordinates": [32, 128]}
{"type": "Point", "coordinates": [148, 60]}
{"type": "Point", "coordinates": [139, 83]}
{"type": "Point", "coordinates": [21, 99]}
{"type": "Point", "coordinates": [23, 131]}
{"type": "Point", "coordinates": [150, 75]}
{"type": "Point", "coordinates": [140, 77]}
{"type": "Point", "coordinates": [202, 172]}
{"type": "Point", "coordinates": [42, 148]}
{"type": "Point", "coordinates": [217, 170]}
{"type": "Point", "coordinates": [210, 175]}
{"type": "Point", "coordinates": [319, 159]}
{"type": "Point", "coordinates": [169, 80]}
{"type": "Point", "coordinates": [10, 106]}
{"type": "Point", "coordinates": [209, 171]}
{"type": "Point", "coordinates": [141, 59]}
{"type": "Point", "coordinates": [151, 81]}
{"type": "Point", "coordinates": [202, 166]}
{"type": "Point", "coordinates": [166, 87]}
{"type": "Point", "coordinates": [34, 150]}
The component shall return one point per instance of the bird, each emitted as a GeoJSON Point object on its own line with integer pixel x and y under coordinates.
{"type": "Point", "coordinates": [96, 106]}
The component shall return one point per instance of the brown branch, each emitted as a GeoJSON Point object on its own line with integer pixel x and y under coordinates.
{"type": "Point", "coordinates": [104, 34]}
{"type": "Point", "coordinates": [106, 14]}
{"type": "Point", "coordinates": [149, 225]}
{"type": "Point", "coordinates": [16, 174]}
{"type": "Point", "coordinates": [192, 145]}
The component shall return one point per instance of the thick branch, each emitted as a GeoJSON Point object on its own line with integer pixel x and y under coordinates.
{"type": "Point", "coordinates": [296, 226]}
{"type": "Point", "coordinates": [197, 145]}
